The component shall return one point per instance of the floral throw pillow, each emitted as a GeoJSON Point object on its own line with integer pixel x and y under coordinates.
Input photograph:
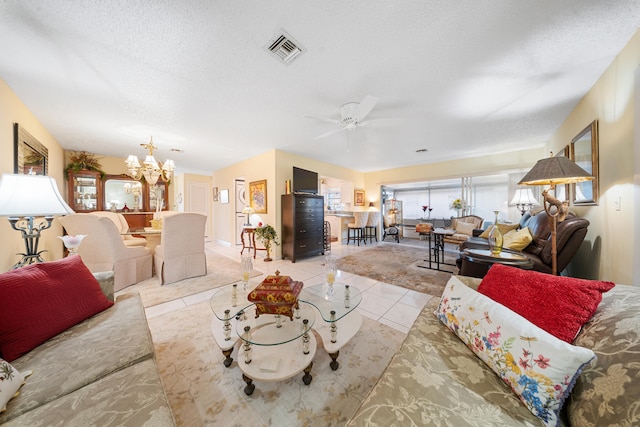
{"type": "Point", "coordinates": [540, 368]}
{"type": "Point", "coordinates": [10, 382]}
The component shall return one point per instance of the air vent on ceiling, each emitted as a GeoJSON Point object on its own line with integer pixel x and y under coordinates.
{"type": "Point", "coordinates": [284, 47]}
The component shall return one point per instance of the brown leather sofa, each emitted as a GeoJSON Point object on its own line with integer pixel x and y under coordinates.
{"type": "Point", "coordinates": [570, 234]}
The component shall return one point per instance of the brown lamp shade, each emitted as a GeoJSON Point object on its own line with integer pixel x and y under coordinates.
{"type": "Point", "coordinates": [555, 170]}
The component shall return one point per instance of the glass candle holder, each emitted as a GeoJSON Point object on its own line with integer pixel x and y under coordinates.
{"type": "Point", "coordinates": [72, 243]}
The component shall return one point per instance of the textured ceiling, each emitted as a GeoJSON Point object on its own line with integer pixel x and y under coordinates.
{"type": "Point", "coordinates": [465, 78]}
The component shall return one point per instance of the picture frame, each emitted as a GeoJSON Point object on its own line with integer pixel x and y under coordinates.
{"type": "Point", "coordinates": [224, 196]}
{"type": "Point", "coordinates": [258, 196]}
{"type": "Point", "coordinates": [215, 194]}
{"type": "Point", "coordinates": [30, 156]}
{"type": "Point", "coordinates": [585, 153]}
{"type": "Point", "coordinates": [358, 198]}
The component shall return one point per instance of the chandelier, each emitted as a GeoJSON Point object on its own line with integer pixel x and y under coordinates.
{"type": "Point", "coordinates": [151, 169]}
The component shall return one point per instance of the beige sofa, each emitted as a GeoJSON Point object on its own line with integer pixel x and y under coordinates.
{"type": "Point", "coordinates": [435, 380]}
{"type": "Point", "coordinates": [99, 372]}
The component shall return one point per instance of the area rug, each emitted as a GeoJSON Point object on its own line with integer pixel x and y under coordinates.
{"type": "Point", "coordinates": [221, 270]}
{"type": "Point", "coordinates": [201, 391]}
{"type": "Point", "coordinates": [398, 265]}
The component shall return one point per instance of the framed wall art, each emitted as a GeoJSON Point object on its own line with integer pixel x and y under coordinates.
{"type": "Point", "coordinates": [30, 156]}
{"type": "Point", "coordinates": [358, 198]}
{"type": "Point", "coordinates": [584, 152]}
{"type": "Point", "coordinates": [258, 196]}
{"type": "Point", "coordinates": [224, 196]}
{"type": "Point", "coordinates": [215, 194]}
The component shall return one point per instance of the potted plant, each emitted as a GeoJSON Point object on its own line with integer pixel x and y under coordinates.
{"type": "Point", "coordinates": [268, 235]}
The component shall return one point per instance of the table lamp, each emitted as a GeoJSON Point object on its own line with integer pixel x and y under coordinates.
{"type": "Point", "coordinates": [523, 199]}
{"type": "Point", "coordinates": [553, 171]}
{"type": "Point", "coordinates": [30, 202]}
{"type": "Point", "coordinates": [248, 210]}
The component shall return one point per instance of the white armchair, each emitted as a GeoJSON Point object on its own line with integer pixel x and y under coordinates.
{"type": "Point", "coordinates": [123, 226]}
{"type": "Point", "coordinates": [103, 249]}
{"type": "Point", "coordinates": [180, 254]}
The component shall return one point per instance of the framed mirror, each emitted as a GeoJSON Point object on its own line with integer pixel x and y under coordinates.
{"type": "Point", "coordinates": [584, 152]}
{"type": "Point", "coordinates": [30, 156]}
{"type": "Point", "coordinates": [121, 190]}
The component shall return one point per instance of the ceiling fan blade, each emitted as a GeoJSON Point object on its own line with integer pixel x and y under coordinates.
{"type": "Point", "coordinates": [331, 132]}
{"type": "Point", "coordinates": [383, 122]}
{"type": "Point", "coordinates": [322, 119]}
{"type": "Point", "coordinates": [365, 107]}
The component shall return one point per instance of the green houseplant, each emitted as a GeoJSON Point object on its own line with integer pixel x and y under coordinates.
{"type": "Point", "coordinates": [268, 235]}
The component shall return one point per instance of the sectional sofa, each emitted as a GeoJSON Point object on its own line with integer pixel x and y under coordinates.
{"type": "Point", "coordinates": [435, 379]}
{"type": "Point", "coordinates": [100, 371]}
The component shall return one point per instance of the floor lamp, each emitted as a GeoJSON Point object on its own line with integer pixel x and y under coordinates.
{"type": "Point", "coordinates": [553, 171]}
{"type": "Point", "coordinates": [30, 202]}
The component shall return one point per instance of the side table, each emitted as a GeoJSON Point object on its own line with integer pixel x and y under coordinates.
{"type": "Point", "coordinates": [476, 262]}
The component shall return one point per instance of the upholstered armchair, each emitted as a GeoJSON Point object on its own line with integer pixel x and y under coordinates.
{"type": "Point", "coordinates": [123, 227]}
{"type": "Point", "coordinates": [104, 250]}
{"type": "Point", "coordinates": [180, 254]}
{"type": "Point", "coordinates": [463, 227]}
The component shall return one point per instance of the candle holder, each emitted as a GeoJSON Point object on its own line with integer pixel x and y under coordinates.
{"type": "Point", "coordinates": [72, 243]}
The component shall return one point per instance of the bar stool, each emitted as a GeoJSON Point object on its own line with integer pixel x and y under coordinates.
{"type": "Point", "coordinates": [371, 229]}
{"type": "Point", "coordinates": [356, 228]}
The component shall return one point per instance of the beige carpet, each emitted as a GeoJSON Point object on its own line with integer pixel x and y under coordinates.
{"type": "Point", "coordinates": [398, 265]}
{"type": "Point", "coordinates": [202, 392]}
{"type": "Point", "coordinates": [221, 271]}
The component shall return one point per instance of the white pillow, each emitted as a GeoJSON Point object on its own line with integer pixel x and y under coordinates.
{"type": "Point", "coordinates": [10, 382]}
{"type": "Point", "coordinates": [465, 228]}
{"type": "Point", "coordinates": [540, 368]}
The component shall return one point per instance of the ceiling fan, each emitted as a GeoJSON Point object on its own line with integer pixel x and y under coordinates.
{"type": "Point", "coordinates": [352, 115]}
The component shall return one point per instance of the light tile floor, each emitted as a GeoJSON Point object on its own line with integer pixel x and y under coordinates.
{"type": "Point", "coordinates": [391, 305]}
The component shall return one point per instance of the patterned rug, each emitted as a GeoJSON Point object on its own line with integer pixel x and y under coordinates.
{"type": "Point", "coordinates": [221, 270]}
{"type": "Point", "coordinates": [398, 265]}
{"type": "Point", "coordinates": [202, 391]}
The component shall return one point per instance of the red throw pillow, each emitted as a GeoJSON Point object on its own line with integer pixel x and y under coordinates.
{"type": "Point", "coordinates": [39, 301]}
{"type": "Point", "coordinates": [559, 305]}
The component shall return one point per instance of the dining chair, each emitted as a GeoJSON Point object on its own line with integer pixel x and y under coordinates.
{"type": "Point", "coordinates": [104, 250]}
{"type": "Point", "coordinates": [180, 254]}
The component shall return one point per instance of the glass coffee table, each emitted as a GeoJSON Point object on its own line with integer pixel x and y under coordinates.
{"type": "Point", "coordinates": [277, 347]}
{"type": "Point", "coordinates": [476, 262]}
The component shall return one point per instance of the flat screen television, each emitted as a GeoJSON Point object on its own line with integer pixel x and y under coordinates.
{"type": "Point", "coordinates": [304, 181]}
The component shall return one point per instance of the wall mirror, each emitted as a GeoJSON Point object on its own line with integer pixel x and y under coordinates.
{"type": "Point", "coordinates": [160, 186]}
{"type": "Point", "coordinates": [30, 156]}
{"type": "Point", "coordinates": [584, 152]}
{"type": "Point", "coordinates": [121, 190]}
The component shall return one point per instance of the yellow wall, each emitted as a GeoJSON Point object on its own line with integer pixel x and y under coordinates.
{"type": "Point", "coordinates": [12, 110]}
{"type": "Point", "coordinates": [609, 251]}
{"type": "Point", "coordinates": [276, 167]}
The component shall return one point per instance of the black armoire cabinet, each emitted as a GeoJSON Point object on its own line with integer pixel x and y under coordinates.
{"type": "Point", "coordinates": [302, 226]}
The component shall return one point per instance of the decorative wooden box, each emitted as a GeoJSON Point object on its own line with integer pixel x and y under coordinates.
{"type": "Point", "coordinates": [276, 295]}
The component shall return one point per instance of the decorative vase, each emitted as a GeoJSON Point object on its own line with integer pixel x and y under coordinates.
{"type": "Point", "coordinates": [495, 237]}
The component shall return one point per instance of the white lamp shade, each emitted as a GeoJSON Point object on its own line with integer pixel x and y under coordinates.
{"type": "Point", "coordinates": [524, 196]}
{"type": "Point", "coordinates": [31, 195]}
{"type": "Point", "coordinates": [248, 210]}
